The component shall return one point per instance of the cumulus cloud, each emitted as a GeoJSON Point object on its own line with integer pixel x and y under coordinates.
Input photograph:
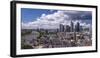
{"type": "Point", "coordinates": [52, 21]}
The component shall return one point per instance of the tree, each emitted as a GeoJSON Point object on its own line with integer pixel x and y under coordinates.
{"type": "Point", "coordinates": [26, 46]}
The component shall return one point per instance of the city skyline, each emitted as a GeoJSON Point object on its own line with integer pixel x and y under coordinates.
{"type": "Point", "coordinates": [46, 28]}
{"type": "Point", "coordinates": [51, 19]}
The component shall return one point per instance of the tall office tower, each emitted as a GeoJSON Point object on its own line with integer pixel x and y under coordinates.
{"type": "Point", "coordinates": [81, 28]}
{"type": "Point", "coordinates": [72, 26]}
{"type": "Point", "coordinates": [61, 28]}
{"type": "Point", "coordinates": [77, 27]}
{"type": "Point", "coordinates": [68, 28]}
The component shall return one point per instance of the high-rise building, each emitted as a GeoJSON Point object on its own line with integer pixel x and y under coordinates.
{"type": "Point", "coordinates": [81, 28]}
{"type": "Point", "coordinates": [68, 28]}
{"type": "Point", "coordinates": [61, 28]}
{"type": "Point", "coordinates": [72, 26]}
{"type": "Point", "coordinates": [77, 27]}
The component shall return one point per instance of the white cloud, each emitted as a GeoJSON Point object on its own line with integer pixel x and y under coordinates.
{"type": "Point", "coordinates": [51, 21]}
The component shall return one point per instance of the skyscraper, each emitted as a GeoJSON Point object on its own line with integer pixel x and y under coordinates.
{"type": "Point", "coordinates": [77, 27]}
{"type": "Point", "coordinates": [72, 26]}
{"type": "Point", "coordinates": [61, 28]}
{"type": "Point", "coordinates": [68, 28]}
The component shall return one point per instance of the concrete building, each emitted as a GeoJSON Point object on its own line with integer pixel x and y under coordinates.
{"type": "Point", "coordinates": [77, 27]}
{"type": "Point", "coordinates": [72, 26]}
{"type": "Point", "coordinates": [61, 28]}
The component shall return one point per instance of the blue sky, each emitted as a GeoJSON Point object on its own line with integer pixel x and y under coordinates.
{"type": "Point", "coordinates": [46, 18]}
{"type": "Point", "coordinates": [28, 14]}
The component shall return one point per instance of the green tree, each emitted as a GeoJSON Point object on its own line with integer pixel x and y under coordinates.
{"type": "Point", "coordinates": [26, 46]}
